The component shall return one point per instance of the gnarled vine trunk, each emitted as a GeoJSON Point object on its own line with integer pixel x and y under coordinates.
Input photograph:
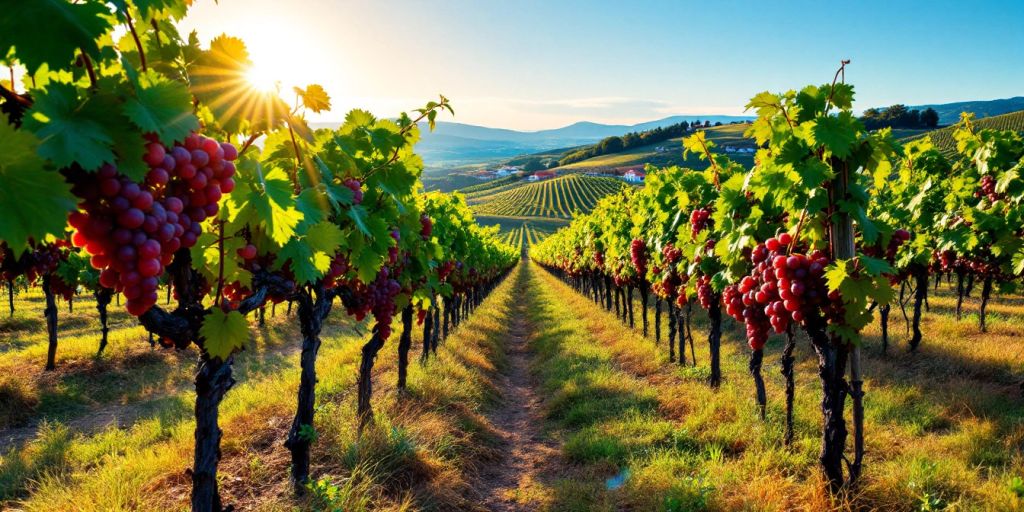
{"type": "Point", "coordinates": [629, 304]}
{"type": "Point", "coordinates": [986, 294]}
{"type": "Point", "coordinates": [831, 372]}
{"type": "Point", "coordinates": [428, 327]}
{"type": "Point", "coordinates": [404, 344]}
{"type": "Point", "coordinates": [10, 295]}
{"type": "Point", "coordinates": [756, 360]}
{"type": "Point", "coordinates": [787, 373]}
{"type": "Point", "coordinates": [920, 273]}
{"type": "Point", "coordinates": [312, 313]}
{"type": "Point", "coordinates": [103, 297]}
{"type": "Point", "coordinates": [715, 340]}
{"type": "Point", "coordinates": [643, 306]}
{"type": "Point", "coordinates": [364, 410]}
{"type": "Point", "coordinates": [50, 313]}
{"type": "Point", "coordinates": [657, 320]}
{"type": "Point", "coordinates": [213, 380]}
{"type": "Point", "coordinates": [671, 330]}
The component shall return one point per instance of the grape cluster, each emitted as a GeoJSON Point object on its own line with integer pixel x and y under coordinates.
{"type": "Point", "coordinates": [699, 220]}
{"type": "Point", "coordinates": [671, 253]}
{"type": "Point", "coordinates": [638, 254]}
{"type": "Point", "coordinates": [705, 294]}
{"type": "Point", "coordinates": [132, 230]}
{"type": "Point", "coordinates": [783, 288]}
{"type": "Point", "coordinates": [39, 260]}
{"type": "Point", "coordinates": [426, 226]}
{"type": "Point", "coordinates": [356, 188]}
{"type": "Point", "coordinates": [888, 253]}
{"type": "Point", "coordinates": [987, 188]}
{"type": "Point", "coordinates": [599, 259]}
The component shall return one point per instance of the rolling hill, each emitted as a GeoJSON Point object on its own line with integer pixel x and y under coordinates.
{"type": "Point", "coordinates": [949, 113]}
{"type": "Point", "coordinates": [943, 137]}
{"type": "Point", "coordinates": [454, 144]}
{"type": "Point", "coordinates": [672, 152]}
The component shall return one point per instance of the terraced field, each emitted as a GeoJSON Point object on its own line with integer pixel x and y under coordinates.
{"type": "Point", "coordinates": [943, 138]}
{"type": "Point", "coordinates": [557, 197]}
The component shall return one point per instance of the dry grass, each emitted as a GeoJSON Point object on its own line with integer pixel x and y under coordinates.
{"type": "Point", "coordinates": [945, 426]}
{"type": "Point", "coordinates": [420, 455]}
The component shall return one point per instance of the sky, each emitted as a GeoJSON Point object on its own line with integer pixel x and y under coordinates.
{"type": "Point", "coordinates": [531, 65]}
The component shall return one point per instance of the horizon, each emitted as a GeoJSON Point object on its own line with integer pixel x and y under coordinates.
{"type": "Point", "coordinates": [594, 61]}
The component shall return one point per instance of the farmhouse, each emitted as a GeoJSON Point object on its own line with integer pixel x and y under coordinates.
{"type": "Point", "coordinates": [634, 176]}
{"type": "Point", "coordinates": [541, 175]}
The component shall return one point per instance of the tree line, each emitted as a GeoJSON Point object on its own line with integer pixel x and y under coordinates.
{"type": "Point", "coordinates": [617, 144]}
{"type": "Point", "coordinates": [899, 116]}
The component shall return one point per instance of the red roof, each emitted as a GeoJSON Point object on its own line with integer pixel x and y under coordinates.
{"type": "Point", "coordinates": [544, 174]}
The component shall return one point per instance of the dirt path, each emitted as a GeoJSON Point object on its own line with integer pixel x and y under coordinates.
{"type": "Point", "coordinates": [528, 452]}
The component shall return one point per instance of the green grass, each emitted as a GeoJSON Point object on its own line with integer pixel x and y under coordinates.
{"type": "Point", "coordinates": [554, 198]}
{"type": "Point", "coordinates": [419, 456]}
{"type": "Point", "coordinates": [944, 425]}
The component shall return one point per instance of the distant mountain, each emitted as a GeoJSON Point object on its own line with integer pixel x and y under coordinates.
{"type": "Point", "coordinates": [453, 144]}
{"type": "Point", "coordinates": [950, 112]}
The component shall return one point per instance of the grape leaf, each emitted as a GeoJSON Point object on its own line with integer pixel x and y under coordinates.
{"type": "Point", "coordinates": [35, 201]}
{"type": "Point", "coordinates": [836, 275]}
{"type": "Point", "coordinates": [306, 264]}
{"type": "Point", "coordinates": [51, 31]}
{"type": "Point", "coordinates": [71, 131]}
{"type": "Point", "coordinates": [163, 107]}
{"type": "Point", "coordinates": [837, 133]}
{"type": "Point", "coordinates": [314, 97]}
{"type": "Point", "coordinates": [324, 236]}
{"type": "Point", "coordinates": [223, 333]}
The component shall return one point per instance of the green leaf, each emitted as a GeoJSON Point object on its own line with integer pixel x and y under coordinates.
{"type": "Point", "coordinates": [52, 31]}
{"type": "Point", "coordinates": [223, 333]}
{"type": "Point", "coordinates": [35, 201]}
{"type": "Point", "coordinates": [71, 131]}
{"type": "Point", "coordinates": [163, 107]}
{"type": "Point", "coordinates": [307, 264]}
{"type": "Point", "coordinates": [836, 275]}
{"type": "Point", "coordinates": [837, 133]}
{"type": "Point", "coordinates": [325, 237]}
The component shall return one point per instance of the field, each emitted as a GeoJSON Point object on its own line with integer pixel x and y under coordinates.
{"type": "Point", "coordinates": [556, 197]}
{"type": "Point", "coordinates": [730, 134]}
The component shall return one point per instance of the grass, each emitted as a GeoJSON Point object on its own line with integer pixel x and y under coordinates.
{"type": "Point", "coordinates": [419, 455]}
{"type": "Point", "coordinates": [944, 427]}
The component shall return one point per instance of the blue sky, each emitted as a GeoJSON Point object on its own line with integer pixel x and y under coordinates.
{"type": "Point", "coordinates": [542, 64]}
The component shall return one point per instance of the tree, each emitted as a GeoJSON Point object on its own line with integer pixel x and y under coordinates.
{"type": "Point", "coordinates": [533, 164]}
{"type": "Point", "coordinates": [930, 118]}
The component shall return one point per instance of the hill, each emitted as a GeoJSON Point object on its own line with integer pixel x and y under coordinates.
{"type": "Point", "coordinates": [454, 144]}
{"type": "Point", "coordinates": [671, 152]}
{"type": "Point", "coordinates": [557, 197]}
{"type": "Point", "coordinates": [943, 137]}
{"type": "Point", "coordinates": [949, 113]}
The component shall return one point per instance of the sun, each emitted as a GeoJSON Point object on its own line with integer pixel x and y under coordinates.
{"type": "Point", "coordinates": [263, 78]}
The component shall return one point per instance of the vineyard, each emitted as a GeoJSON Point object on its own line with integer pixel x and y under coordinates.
{"type": "Point", "coordinates": [820, 234]}
{"type": "Point", "coordinates": [945, 141]}
{"type": "Point", "coordinates": [557, 197]}
{"type": "Point", "coordinates": [212, 305]}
